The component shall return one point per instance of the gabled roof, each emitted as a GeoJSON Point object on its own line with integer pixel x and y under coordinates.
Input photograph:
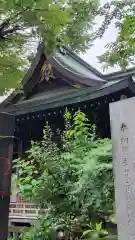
{"type": "Point", "coordinates": [74, 63]}
{"type": "Point", "coordinates": [72, 70]}
{"type": "Point", "coordinates": [68, 64]}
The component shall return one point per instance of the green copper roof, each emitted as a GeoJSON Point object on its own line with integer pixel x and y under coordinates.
{"type": "Point", "coordinates": [71, 64]}
{"type": "Point", "coordinates": [72, 97]}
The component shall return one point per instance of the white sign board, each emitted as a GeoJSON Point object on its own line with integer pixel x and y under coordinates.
{"type": "Point", "coordinates": [122, 118]}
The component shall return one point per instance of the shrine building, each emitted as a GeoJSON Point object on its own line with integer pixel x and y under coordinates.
{"type": "Point", "coordinates": [62, 81]}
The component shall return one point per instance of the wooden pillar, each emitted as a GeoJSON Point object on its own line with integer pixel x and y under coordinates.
{"type": "Point", "coordinates": [6, 151]}
{"type": "Point", "coordinates": [18, 199]}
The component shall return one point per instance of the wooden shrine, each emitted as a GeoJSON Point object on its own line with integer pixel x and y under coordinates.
{"type": "Point", "coordinates": [59, 81]}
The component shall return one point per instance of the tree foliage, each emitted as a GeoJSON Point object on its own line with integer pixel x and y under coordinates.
{"type": "Point", "coordinates": [120, 52]}
{"type": "Point", "coordinates": [74, 182]}
{"type": "Point", "coordinates": [55, 22]}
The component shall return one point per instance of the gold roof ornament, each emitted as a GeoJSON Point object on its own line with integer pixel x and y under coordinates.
{"type": "Point", "coordinates": [46, 72]}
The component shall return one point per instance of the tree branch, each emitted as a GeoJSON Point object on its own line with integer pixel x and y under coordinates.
{"type": "Point", "coordinates": [4, 24]}
{"type": "Point", "coordinates": [5, 28]}
{"type": "Point", "coordinates": [5, 32]}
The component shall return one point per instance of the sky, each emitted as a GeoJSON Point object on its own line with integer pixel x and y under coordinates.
{"type": "Point", "coordinates": [99, 47]}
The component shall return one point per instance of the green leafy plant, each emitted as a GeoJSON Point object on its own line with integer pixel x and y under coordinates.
{"type": "Point", "coordinates": [42, 230]}
{"type": "Point", "coordinates": [23, 24]}
{"type": "Point", "coordinates": [73, 182]}
{"type": "Point", "coordinates": [95, 232]}
{"type": "Point", "coordinates": [120, 52]}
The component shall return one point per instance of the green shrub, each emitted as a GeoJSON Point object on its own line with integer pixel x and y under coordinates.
{"type": "Point", "coordinates": [73, 182]}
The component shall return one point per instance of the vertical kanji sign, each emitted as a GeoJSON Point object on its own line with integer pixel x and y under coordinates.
{"type": "Point", "coordinates": [6, 150]}
{"type": "Point", "coordinates": [122, 117]}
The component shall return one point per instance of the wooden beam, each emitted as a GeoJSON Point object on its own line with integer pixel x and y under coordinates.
{"type": "Point", "coordinates": [6, 150]}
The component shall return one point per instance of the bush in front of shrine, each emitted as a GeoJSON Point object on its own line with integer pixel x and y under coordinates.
{"type": "Point", "coordinates": [72, 180]}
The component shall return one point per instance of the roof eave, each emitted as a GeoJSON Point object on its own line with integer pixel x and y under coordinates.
{"type": "Point", "coordinates": [86, 95]}
{"type": "Point", "coordinates": [119, 74]}
{"type": "Point", "coordinates": [74, 76]}
{"type": "Point", "coordinates": [84, 63]}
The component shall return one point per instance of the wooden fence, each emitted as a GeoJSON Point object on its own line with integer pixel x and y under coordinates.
{"type": "Point", "coordinates": [26, 210]}
{"type": "Point", "coordinates": [15, 233]}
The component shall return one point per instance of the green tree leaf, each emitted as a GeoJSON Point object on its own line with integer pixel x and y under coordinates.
{"type": "Point", "coordinates": [24, 23]}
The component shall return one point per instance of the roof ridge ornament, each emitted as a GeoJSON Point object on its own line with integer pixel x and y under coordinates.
{"type": "Point", "coordinates": [46, 73]}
